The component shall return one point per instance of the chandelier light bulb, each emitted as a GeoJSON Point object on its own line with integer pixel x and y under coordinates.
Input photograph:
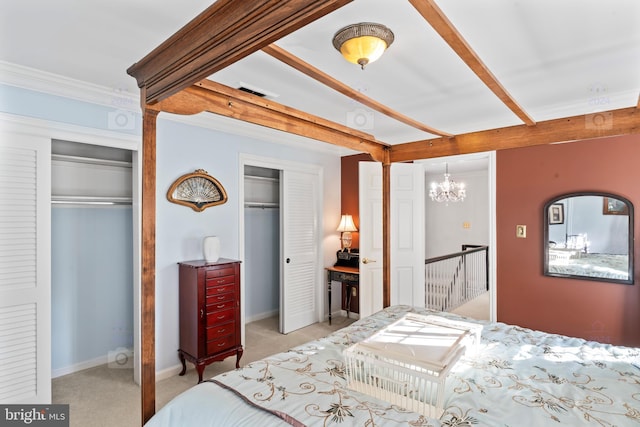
{"type": "Point", "coordinates": [447, 190]}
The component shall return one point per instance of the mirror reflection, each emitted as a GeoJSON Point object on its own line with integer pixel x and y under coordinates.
{"type": "Point", "coordinates": [589, 236]}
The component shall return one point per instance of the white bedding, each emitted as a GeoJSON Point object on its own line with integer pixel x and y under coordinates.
{"type": "Point", "coordinates": [519, 377]}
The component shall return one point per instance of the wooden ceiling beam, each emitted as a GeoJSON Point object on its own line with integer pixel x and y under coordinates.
{"type": "Point", "coordinates": [322, 77]}
{"type": "Point", "coordinates": [229, 102]}
{"type": "Point", "coordinates": [439, 21]}
{"type": "Point", "coordinates": [224, 33]}
{"type": "Point", "coordinates": [585, 126]}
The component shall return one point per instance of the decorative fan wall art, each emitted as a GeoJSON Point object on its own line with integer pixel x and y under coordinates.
{"type": "Point", "coordinates": [198, 190]}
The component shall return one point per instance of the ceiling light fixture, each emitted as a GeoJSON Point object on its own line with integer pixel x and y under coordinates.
{"type": "Point", "coordinates": [363, 43]}
{"type": "Point", "coordinates": [448, 190]}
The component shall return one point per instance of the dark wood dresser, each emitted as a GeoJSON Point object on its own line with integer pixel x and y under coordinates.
{"type": "Point", "coordinates": [209, 313]}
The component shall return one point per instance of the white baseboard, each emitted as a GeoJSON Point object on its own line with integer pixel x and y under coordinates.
{"type": "Point", "coordinates": [120, 358]}
{"type": "Point", "coordinates": [261, 316]}
{"type": "Point", "coordinates": [352, 315]}
{"type": "Point", "coordinates": [168, 372]}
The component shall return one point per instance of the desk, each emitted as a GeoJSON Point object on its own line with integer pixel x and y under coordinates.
{"type": "Point", "coordinates": [350, 279]}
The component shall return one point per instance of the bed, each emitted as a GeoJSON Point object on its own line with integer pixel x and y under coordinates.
{"type": "Point", "coordinates": [518, 377]}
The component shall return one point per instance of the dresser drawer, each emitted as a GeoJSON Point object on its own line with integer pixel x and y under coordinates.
{"type": "Point", "coordinates": [217, 305]}
{"type": "Point", "coordinates": [221, 281]}
{"type": "Point", "coordinates": [222, 316]}
{"type": "Point", "coordinates": [221, 289]}
{"type": "Point", "coordinates": [218, 331]}
{"type": "Point", "coordinates": [218, 272]}
{"type": "Point", "coordinates": [217, 299]}
{"type": "Point", "coordinates": [221, 344]}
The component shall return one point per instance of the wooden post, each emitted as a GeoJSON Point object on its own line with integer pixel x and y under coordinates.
{"type": "Point", "coordinates": [386, 231]}
{"type": "Point", "coordinates": [147, 297]}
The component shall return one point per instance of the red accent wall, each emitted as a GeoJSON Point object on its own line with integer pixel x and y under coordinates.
{"type": "Point", "coordinates": [349, 197]}
{"type": "Point", "coordinates": [526, 179]}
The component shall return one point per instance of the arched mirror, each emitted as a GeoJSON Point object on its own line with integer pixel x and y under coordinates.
{"type": "Point", "coordinates": [589, 236]}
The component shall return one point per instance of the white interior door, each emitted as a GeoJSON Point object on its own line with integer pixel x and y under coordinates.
{"type": "Point", "coordinates": [407, 236]}
{"type": "Point", "coordinates": [300, 290]}
{"type": "Point", "coordinates": [370, 206]}
{"type": "Point", "coordinates": [25, 269]}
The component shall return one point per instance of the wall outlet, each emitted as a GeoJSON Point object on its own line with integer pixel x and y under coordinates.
{"type": "Point", "coordinates": [521, 231]}
{"type": "Point", "coordinates": [466, 225]}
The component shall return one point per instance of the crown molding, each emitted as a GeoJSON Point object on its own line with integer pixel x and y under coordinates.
{"type": "Point", "coordinates": [54, 84]}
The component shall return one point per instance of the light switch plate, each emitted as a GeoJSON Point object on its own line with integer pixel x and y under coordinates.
{"type": "Point", "coordinates": [521, 231]}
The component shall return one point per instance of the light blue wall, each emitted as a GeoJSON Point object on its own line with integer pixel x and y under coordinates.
{"type": "Point", "coordinates": [181, 149]}
{"type": "Point", "coordinates": [39, 105]}
{"type": "Point", "coordinates": [91, 283]}
{"type": "Point", "coordinates": [262, 251]}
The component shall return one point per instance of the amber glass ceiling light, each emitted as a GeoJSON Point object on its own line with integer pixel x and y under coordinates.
{"type": "Point", "coordinates": [363, 43]}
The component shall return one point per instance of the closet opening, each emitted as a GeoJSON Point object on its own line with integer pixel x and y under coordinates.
{"type": "Point", "coordinates": [262, 246]}
{"type": "Point", "coordinates": [92, 258]}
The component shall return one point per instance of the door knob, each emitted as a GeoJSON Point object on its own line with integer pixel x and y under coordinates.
{"type": "Point", "coordinates": [367, 260]}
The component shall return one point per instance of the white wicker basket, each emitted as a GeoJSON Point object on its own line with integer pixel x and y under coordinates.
{"type": "Point", "coordinates": [407, 362]}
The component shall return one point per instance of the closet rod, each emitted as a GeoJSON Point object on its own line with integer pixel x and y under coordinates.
{"type": "Point", "coordinates": [261, 205]}
{"type": "Point", "coordinates": [90, 160]}
{"type": "Point", "coordinates": [91, 200]}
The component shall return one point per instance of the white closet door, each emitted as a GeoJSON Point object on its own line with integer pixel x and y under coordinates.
{"type": "Point", "coordinates": [25, 266]}
{"type": "Point", "coordinates": [300, 288]}
{"type": "Point", "coordinates": [370, 196]}
{"type": "Point", "coordinates": [406, 234]}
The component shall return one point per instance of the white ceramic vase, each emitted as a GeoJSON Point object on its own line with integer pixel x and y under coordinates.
{"type": "Point", "coordinates": [211, 248]}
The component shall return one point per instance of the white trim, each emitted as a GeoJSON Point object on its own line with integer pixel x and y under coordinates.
{"type": "Point", "coordinates": [57, 85]}
{"type": "Point", "coordinates": [92, 363]}
{"type": "Point", "coordinates": [493, 231]}
{"type": "Point", "coordinates": [277, 164]}
{"type": "Point", "coordinates": [102, 360]}
{"type": "Point", "coordinates": [261, 316]}
{"type": "Point", "coordinates": [56, 130]}
{"type": "Point", "coordinates": [168, 372]}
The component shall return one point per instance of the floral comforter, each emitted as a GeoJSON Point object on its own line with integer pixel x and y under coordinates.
{"type": "Point", "coordinates": [519, 377]}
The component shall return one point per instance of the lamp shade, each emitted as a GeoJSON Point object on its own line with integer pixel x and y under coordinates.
{"type": "Point", "coordinates": [346, 224]}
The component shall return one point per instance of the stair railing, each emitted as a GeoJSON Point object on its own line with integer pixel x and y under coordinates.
{"type": "Point", "coordinates": [453, 279]}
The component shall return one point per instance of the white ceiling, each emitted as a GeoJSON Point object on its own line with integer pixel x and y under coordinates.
{"type": "Point", "coordinates": [556, 58]}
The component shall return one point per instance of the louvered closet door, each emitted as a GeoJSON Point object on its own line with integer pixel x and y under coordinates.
{"type": "Point", "coordinates": [300, 287]}
{"type": "Point", "coordinates": [25, 265]}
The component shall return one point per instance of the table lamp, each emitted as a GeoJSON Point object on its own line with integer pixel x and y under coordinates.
{"type": "Point", "coordinates": [346, 227]}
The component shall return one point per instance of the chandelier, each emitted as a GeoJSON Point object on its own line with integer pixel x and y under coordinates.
{"type": "Point", "coordinates": [447, 190]}
{"type": "Point", "coordinates": [363, 43]}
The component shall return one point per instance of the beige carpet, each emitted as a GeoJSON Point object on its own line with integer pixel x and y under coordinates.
{"type": "Point", "coordinates": [477, 308]}
{"type": "Point", "coordinates": [108, 397]}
